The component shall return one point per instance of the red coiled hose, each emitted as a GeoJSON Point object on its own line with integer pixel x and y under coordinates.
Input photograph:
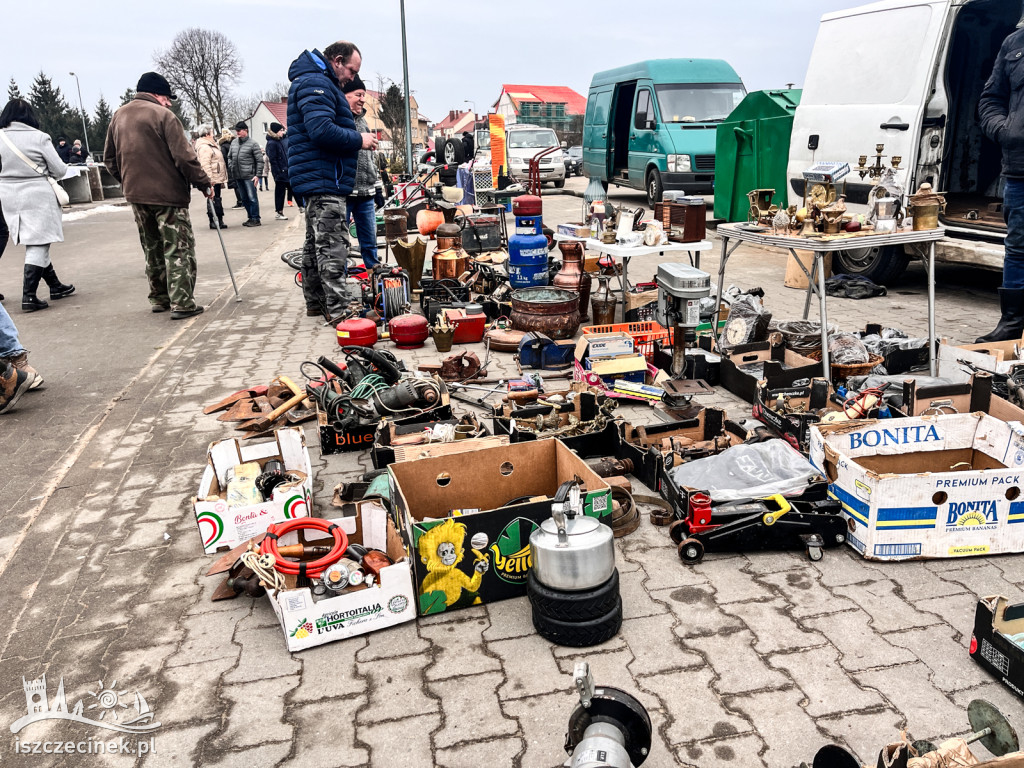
{"type": "Point", "coordinates": [314, 567]}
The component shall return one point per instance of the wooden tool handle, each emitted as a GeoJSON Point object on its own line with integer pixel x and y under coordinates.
{"type": "Point", "coordinates": [277, 413]}
{"type": "Point", "coordinates": [295, 388]}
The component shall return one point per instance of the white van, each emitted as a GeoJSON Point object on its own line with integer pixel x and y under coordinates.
{"type": "Point", "coordinates": [908, 74]}
{"type": "Point", "coordinates": [523, 142]}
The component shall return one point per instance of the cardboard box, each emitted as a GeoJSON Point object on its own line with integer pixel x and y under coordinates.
{"type": "Point", "coordinates": [996, 643]}
{"type": "Point", "coordinates": [603, 345]}
{"type": "Point", "coordinates": [974, 396]}
{"type": "Point", "coordinates": [903, 497]}
{"type": "Point", "coordinates": [794, 428]}
{"type": "Point", "coordinates": [796, 277]}
{"type": "Point", "coordinates": [334, 439]}
{"type": "Point", "coordinates": [492, 545]}
{"type": "Point", "coordinates": [385, 450]}
{"type": "Point", "coordinates": [307, 623]}
{"type": "Point", "coordinates": [645, 441]}
{"type": "Point", "coordinates": [898, 361]}
{"type": "Point", "coordinates": [782, 367]}
{"type": "Point", "coordinates": [573, 229]}
{"type": "Point", "coordinates": [222, 528]}
{"type": "Point", "coordinates": [585, 406]}
{"type": "Point", "coordinates": [995, 357]}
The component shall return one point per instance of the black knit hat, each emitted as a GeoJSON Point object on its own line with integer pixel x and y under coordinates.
{"type": "Point", "coordinates": [241, 127]}
{"type": "Point", "coordinates": [276, 127]}
{"type": "Point", "coordinates": [151, 82]}
{"type": "Point", "coordinates": [355, 84]}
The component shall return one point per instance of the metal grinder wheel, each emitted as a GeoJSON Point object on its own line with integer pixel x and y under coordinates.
{"type": "Point", "coordinates": [618, 707]}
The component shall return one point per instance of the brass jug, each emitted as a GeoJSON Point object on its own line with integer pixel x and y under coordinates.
{"type": "Point", "coordinates": [410, 256]}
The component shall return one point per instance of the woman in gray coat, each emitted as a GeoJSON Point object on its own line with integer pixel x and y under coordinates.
{"type": "Point", "coordinates": [29, 203]}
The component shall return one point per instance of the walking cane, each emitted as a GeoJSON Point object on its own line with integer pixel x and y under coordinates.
{"type": "Point", "coordinates": [216, 221]}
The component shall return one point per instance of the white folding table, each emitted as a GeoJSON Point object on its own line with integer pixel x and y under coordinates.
{"type": "Point", "coordinates": [816, 277]}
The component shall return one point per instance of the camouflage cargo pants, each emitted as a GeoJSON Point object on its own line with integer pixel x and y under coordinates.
{"type": "Point", "coordinates": [170, 248]}
{"type": "Point", "coordinates": [325, 254]}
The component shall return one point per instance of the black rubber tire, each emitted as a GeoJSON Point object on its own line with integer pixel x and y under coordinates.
{"type": "Point", "coordinates": [882, 265]}
{"type": "Point", "coordinates": [560, 183]}
{"type": "Point", "coordinates": [293, 258]}
{"type": "Point", "coordinates": [691, 551]}
{"type": "Point", "coordinates": [580, 634]}
{"type": "Point", "coordinates": [573, 606]}
{"type": "Point", "coordinates": [654, 187]}
{"type": "Point", "coordinates": [453, 152]}
{"type": "Point", "coordinates": [448, 176]}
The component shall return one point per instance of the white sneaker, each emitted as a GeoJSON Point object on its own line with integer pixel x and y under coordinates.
{"type": "Point", "coordinates": [280, 217]}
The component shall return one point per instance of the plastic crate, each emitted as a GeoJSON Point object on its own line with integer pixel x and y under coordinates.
{"type": "Point", "coordinates": [644, 334]}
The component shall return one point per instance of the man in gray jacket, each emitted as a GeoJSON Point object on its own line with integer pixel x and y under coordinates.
{"type": "Point", "coordinates": [1001, 110]}
{"type": "Point", "coordinates": [245, 166]}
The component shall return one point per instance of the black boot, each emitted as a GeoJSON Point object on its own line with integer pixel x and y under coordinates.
{"type": "Point", "coordinates": [1011, 323]}
{"type": "Point", "coordinates": [222, 224]}
{"type": "Point", "coordinates": [29, 301]}
{"type": "Point", "coordinates": [57, 289]}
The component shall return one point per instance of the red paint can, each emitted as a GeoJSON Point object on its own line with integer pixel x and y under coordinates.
{"type": "Point", "coordinates": [408, 331]}
{"type": "Point", "coordinates": [357, 332]}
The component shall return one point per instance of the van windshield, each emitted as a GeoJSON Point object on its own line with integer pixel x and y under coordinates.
{"type": "Point", "coordinates": [538, 139]}
{"type": "Point", "coordinates": [698, 102]}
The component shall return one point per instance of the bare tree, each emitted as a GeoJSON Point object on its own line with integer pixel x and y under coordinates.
{"type": "Point", "coordinates": [202, 65]}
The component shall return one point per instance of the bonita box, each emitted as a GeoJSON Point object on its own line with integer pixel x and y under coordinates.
{"type": "Point", "coordinates": [926, 487]}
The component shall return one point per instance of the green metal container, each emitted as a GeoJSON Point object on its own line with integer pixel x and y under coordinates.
{"type": "Point", "coordinates": [752, 150]}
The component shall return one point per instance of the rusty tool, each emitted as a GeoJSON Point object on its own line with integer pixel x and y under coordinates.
{"type": "Point", "coordinates": [297, 415]}
{"type": "Point", "coordinates": [266, 421]}
{"type": "Point", "coordinates": [242, 394]}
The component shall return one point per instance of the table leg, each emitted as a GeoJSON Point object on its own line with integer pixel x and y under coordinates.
{"type": "Point", "coordinates": [932, 367]}
{"type": "Point", "coordinates": [721, 285]}
{"type": "Point", "coordinates": [823, 316]}
{"type": "Point", "coordinates": [811, 283]}
{"type": "Point", "coordinates": [625, 284]}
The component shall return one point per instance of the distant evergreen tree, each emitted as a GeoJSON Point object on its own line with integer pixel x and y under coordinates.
{"type": "Point", "coordinates": [13, 91]}
{"type": "Point", "coordinates": [128, 95]}
{"type": "Point", "coordinates": [177, 110]}
{"type": "Point", "coordinates": [55, 116]}
{"type": "Point", "coordinates": [100, 123]}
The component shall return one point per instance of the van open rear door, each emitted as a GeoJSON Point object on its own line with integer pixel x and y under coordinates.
{"type": "Point", "coordinates": [869, 78]}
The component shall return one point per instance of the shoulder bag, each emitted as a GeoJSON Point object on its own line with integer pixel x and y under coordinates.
{"type": "Point", "coordinates": [58, 190]}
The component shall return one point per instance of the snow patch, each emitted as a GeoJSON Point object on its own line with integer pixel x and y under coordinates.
{"type": "Point", "coordinates": [76, 215]}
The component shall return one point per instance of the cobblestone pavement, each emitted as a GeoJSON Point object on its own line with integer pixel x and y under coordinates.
{"type": "Point", "coordinates": [743, 661]}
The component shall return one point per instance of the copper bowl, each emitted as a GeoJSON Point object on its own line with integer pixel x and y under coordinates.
{"type": "Point", "coordinates": [543, 309]}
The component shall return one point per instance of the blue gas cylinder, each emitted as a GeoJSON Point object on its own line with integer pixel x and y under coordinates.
{"type": "Point", "coordinates": [527, 254]}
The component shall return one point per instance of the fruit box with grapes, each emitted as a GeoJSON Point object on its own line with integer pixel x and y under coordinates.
{"type": "Point", "coordinates": [222, 526]}
{"type": "Point", "coordinates": [390, 600]}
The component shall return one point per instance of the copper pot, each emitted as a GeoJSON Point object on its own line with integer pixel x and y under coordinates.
{"type": "Point", "coordinates": [572, 275]}
{"type": "Point", "coordinates": [449, 264]}
{"type": "Point", "coordinates": [543, 309]}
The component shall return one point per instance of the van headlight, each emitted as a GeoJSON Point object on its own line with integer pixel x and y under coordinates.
{"type": "Point", "coordinates": [679, 163]}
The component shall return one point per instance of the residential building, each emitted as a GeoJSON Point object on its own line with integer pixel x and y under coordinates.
{"type": "Point", "coordinates": [551, 106]}
{"type": "Point", "coordinates": [455, 123]}
{"type": "Point", "coordinates": [266, 113]}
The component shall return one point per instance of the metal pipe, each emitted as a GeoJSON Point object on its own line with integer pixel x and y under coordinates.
{"type": "Point", "coordinates": [932, 367]}
{"type": "Point", "coordinates": [409, 168]}
{"type": "Point", "coordinates": [826, 370]}
{"type": "Point", "coordinates": [81, 106]}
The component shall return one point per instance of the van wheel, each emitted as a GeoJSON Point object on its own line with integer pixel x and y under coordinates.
{"type": "Point", "coordinates": [881, 264]}
{"type": "Point", "coordinates": [560, 183]}
{"type": "Point", "coordinates": [654, 188]}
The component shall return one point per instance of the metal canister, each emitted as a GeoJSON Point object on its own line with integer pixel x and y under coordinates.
{"type": "Point", "coordinates": [527, 257]}
{"type": "Point", "coordinates": [925, 206]}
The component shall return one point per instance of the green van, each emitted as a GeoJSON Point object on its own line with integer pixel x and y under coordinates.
{"type": "Point", "coordinates": [651, 125]}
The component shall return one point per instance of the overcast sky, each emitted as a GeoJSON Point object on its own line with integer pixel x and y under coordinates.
{"type": "Point", "coordinates": [457, 50]}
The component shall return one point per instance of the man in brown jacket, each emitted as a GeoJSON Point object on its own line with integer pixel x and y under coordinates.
{"type": "Point", "coordinates": [147, 151]}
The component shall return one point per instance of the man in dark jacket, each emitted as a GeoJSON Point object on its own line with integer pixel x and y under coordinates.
{"type": "Point", "coordinates": [323, 147]}
{"type": "Point", "coordinates": [147, 152]}
{"type": "Point", "coordinates": [1001, 110]}
{"type": "Point", "coordinates": [245, 166]}
{"type": "Point", "coordinates": [64, 150]}
{"type": "Point", "coordinates": [277, 154]}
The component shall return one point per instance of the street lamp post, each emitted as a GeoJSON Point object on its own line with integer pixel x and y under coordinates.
{"type": "Point", "coordinates": [408, 105]}
{"type": "Point", "coordinates": [81, 106]}
{"type": "Point", "coordinates": [473, 104]}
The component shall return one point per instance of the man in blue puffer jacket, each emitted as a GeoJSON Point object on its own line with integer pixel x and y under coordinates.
{"type": "Point", "coordinates": [323, 151]}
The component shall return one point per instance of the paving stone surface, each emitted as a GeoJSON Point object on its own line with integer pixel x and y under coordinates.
{"type": "Point", "coordinates": [744, 660]}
